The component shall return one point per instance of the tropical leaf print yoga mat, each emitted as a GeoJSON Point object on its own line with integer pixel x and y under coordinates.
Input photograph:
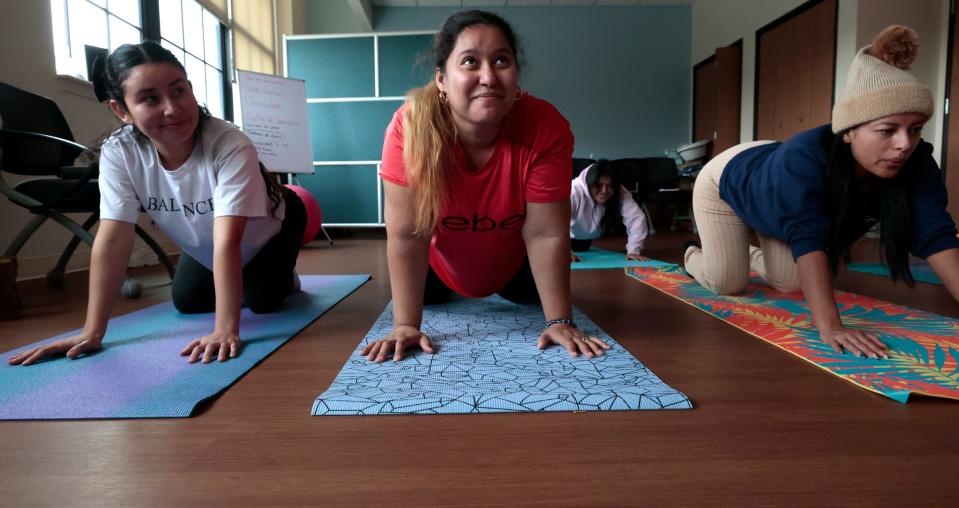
{"type": "Point", "coordinates": [923, 347]}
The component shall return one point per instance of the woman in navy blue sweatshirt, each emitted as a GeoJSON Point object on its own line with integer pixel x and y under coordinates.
{"type": "Point", "coordinates": [809, 198]}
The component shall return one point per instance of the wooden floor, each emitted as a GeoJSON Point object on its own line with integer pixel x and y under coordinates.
{"type": "Point", "coordinates": [767, 428]}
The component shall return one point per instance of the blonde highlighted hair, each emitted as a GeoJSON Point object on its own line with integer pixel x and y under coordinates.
{"type": "Point", "coordinates": [429, 135]}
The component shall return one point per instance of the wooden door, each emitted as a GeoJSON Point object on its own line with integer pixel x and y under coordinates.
{"type": "Point", "coordinates": [729, 71]}
{"type": "Point", "coordinates": [951, 153]}
{"type": "Point", "coordinates": [717, 83]}
{"type": "Point", "coordinates": [704, 99]}
{"type": "Point", "coordinates": [795, 71]}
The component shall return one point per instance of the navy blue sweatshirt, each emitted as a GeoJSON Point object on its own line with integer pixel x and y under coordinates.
{"type": "Point", "coordinates": [778, 190]}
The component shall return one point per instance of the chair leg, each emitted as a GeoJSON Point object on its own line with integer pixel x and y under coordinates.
{"type": "Point", "coordinates": [161, 255]}
{"type": "Point", "coordinates": [649, 219]}
{"type": "Point", "coordinates": [327, 235]}
{"type": "Point", "coordinates": [55, 276]}
{"type": "Point", "coordinates": [72, 226]}
{"type": "Point", "coordinates": [688, 215]}
{"type": "Point", "coordinates": [24, 235]}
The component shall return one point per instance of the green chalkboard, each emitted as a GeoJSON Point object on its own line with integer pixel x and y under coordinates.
{"type": "Point", "coordinates": [401, 65]}
{"type": "Point", "coordinates": [350, 131]}
{"type": "Point", "coordinates": [346, 194]}
{"type": "Point", "coordinates": [333, 67]}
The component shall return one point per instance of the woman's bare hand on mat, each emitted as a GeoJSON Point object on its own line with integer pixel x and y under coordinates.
{"type": "Point", "coordinates": [574, 258]}
{"type": "Point", "coordinates": [858, 342]}
{"type": "Point", "coordinates": [402, 337]}
{"type": "Point", "coordinates": [71, 347]}
{"type": "Point", "coordinates": [221, 344]}
{"type": "Point", "coordinates": [573, 339]}
{"type": "Point", "coordinates": [634, 256]}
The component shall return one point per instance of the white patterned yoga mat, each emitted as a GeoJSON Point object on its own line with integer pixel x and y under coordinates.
{"type": "Point", "coordinates": [487, 361]}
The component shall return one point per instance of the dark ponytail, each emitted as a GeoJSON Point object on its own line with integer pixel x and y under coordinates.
{"type": "Point", "coordinates": [98, 79]}
{"type": "Point", "coordinates": [846, 208]}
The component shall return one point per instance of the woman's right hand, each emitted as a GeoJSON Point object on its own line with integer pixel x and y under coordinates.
{"type": "Point", "coordinates": [858, 342]}
{"type": "Point", "coordinates": [399, 339]}
{"type": "Point", "coordinates": [72, 347]}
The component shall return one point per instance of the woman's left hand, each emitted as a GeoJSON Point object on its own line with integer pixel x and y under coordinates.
{"type": "Point", "coordinates": [220, 344]}
{"type": "Point", "coordinates": [634, 256]}
{"type": "Point", "coordinates": [573, 339]}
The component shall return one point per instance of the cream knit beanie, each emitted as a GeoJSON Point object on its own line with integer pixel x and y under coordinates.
{"type": "Point", "coordinates": [879, 82]}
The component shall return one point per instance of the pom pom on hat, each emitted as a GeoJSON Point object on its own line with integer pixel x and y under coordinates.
{"type": "Point", "coordinates": [896, 45]}
{"type": "Point", "coordinates": [879, 83]}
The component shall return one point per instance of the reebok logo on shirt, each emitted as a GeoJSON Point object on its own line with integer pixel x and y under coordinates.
{"type": "Point", "coordinates": [170, 205]}
{"type": "Point", "coordinates": [484, 223]}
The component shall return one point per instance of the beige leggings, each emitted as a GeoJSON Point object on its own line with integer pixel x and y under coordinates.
{"type": "Point", "coordinates": [723, 263]}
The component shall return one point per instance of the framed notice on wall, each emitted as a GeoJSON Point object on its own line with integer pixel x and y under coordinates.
{"type": "Point", "coordinates": [273, 115]}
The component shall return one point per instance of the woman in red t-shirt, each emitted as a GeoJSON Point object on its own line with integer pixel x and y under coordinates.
{"type": "Point", "coordinates": [477, 181]}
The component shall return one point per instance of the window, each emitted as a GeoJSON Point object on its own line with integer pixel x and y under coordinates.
{"type": "Point", "coordinates": [99, 23]}
{"type": "Point", "coordinates": [192, 33]}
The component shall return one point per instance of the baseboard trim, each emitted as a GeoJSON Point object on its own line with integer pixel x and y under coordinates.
{"type": "Point", "coordinates": [37, 266]}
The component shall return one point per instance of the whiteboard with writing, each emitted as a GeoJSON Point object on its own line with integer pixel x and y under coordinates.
{"type": "Point", "coordinates": [273, 112]}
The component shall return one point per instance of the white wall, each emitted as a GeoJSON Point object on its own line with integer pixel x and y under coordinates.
{"type": "Point", "coordinates": [334, 16]}
{"type": "Point", "coordinates": [930, 20]}
{"type": "Point", "coordinates": [27, 62]}
{"type": "Point", "coordinates": [718, 23]}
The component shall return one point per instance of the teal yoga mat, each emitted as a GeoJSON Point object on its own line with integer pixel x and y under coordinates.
{"type": "Point", "coordinates": [139, 373]}
{"type": "Point", "coordinates": [920, 271]}
{"type": "Point", "coordinates": [600, 259]}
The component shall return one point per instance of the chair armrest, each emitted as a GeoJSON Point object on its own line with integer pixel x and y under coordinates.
{"type": "Point", "coordinates": [18, 147]}
{"type": "Point", "coordinates": [76, 172]}
{"type": "Point", "coordinates": [14, 134]}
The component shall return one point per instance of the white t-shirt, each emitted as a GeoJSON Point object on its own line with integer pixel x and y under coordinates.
{"type": "Point", "coordinates": [220, 178]}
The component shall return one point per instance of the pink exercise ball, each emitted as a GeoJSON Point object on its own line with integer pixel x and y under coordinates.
{"type": "Point", "coordinates": [314, 216]}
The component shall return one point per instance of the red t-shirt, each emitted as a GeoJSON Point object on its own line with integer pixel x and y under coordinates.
{"type": "Point", "coordinates": [477, 246]}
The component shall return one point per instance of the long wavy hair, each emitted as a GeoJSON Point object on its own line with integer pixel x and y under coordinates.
{"type": "Point", "coordinates": [612, 221]}
{"type": "Point", "coordinates": [108, 75]}
{"type": "Point", "coordinates": [846, 209]}
{"type": "Point", "coordinates": [429, 133]}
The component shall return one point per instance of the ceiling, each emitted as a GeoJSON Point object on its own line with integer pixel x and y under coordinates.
{"type": "Point", "coordinates": [523, 3]}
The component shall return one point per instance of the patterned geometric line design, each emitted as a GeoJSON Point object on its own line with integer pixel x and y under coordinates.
{"type": "Point", "coordinates": [923, 347]}
{"type": "Point", "coordinates": [487, 361]}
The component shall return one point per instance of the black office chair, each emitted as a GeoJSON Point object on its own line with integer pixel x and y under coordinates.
{"type": "Point", "coordinates": [654, 180]}
{"type": "Point", "coordinates": [579, 164]}
{"type": "Point", "coordinates": [35, 141]}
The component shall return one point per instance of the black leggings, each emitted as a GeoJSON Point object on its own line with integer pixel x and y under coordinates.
{"type": "Point", "coordinates": [267, 278]}
{"type": "Point", "coordinates": [520, 289]}
{"type": "Point", "coordinates": [579, 245]}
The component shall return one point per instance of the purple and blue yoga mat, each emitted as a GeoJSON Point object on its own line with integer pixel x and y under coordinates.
{"type": "Point", "coordinates": [140, 374]}
{"type": "Point", "coordinates": [487, 362]}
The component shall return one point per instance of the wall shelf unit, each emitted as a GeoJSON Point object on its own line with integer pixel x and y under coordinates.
{"type": "Point", "coordinates": [354, 83]}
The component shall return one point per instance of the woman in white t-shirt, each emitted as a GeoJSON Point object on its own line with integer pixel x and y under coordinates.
{"type": "Point", "coordinates": [200, 180]}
